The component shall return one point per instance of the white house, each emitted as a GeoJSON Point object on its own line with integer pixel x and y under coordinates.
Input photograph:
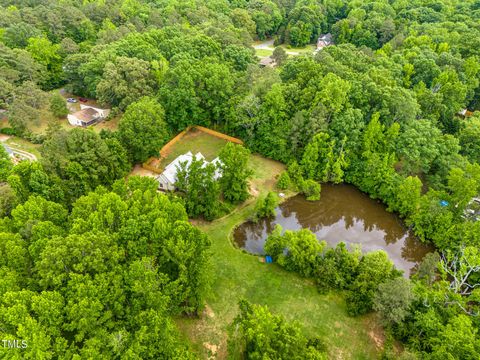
{"type": "Point", "coordinates": [323, 41]}
{"type": "Point", "coordinates": [167, 179]}
{"type": "Point", "coordinates": [88, 115]}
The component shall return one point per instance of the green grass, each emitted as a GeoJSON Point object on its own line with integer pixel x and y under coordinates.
{"type": "Point", "coordinates": [263, 52]}
{"type": "Point", "coordinates": [240, 275]}
{"type": "Point", "coordinates": [195, 141]}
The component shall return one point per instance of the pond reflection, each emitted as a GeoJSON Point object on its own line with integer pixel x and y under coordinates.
{"type": "Point", "coordinates": [343, 214]}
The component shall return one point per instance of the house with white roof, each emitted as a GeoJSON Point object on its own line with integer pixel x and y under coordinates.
{"type": "Point", "coordinates": [167, 179]}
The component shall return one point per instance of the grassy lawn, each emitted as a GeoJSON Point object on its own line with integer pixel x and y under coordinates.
{"type": "Point", "coordinates": [195, 141]}
{"type": "Point", "coordinates": [239, 275]}
{"type": "Point", "coordinates": [308, 49]}
{"type": "Point", "coordinates": [263, 52]}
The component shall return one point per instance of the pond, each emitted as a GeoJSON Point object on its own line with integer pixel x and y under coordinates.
{"type": "Point", "coordinates": [342, 214]}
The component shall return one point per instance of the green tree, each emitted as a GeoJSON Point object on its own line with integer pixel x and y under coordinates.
{"type": "Point", "coordinates": [258, 334]}
{"type": "Point", "coordinates": [298, 251]}
{"type": "Point", "coordinates": [235, 172]}
{"type": "Point", "coordinates": [58, 106]}
{"type": "Point", "coordinates": [469, 137]}
{"type": "Point", "coordinates": [5, 164]}
{"type": "Point", "coordinates": [47, 54]}
{"type": "Point", "coordinates": [265, 206]}
{"type": "Point", "coordinates": [279, 55]}
{"type": "Point", "coordinates": [124, 81]}
{"type": "Point", "coordinates": [393, 300]}
{"type": "Point", "coordinates": [83, 160]}
{"type": "Point", "coordinates": [143, 130]}
{"type": "Point", "coordinates": [199, 188]}
{"type": "Point", "coordinates": [374, 269]}
{"type": "Point", "coordinates": [311, 189]}
{"type": "Point", "coordinates": [284, 181]}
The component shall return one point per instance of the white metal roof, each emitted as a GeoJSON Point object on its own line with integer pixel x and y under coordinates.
{"type": "Point", "coordinates": [170, 172]}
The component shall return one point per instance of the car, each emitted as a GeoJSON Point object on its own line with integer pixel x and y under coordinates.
{"type": "Point", "coordinates": [83, 99]}
{"type": "Point", "coordinates": [71, 100]}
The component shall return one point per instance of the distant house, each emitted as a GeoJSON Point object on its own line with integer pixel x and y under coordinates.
{"type": "Point", "coordinates": [324, 40]}
{"type": "Point", "coordinates": [465, 113]}
{"type": "Point", "coordinates": [267, 61]}
{"type": "Point", "coordinates": [167, 179]}
{"type": "Point", "coordinates": [88, 115]}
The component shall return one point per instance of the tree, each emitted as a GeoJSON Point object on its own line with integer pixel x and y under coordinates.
{"type": "Point", "coordinates": [199, 188]}
{"type": "Point", "coordinates": [393, 300]}
{"type": "Point", "coordinates": [408, 196]}
{"type": "Point", "coordinates": [311, 189]}
{"type": "Point", "coordinates": [469, 137]}
{"type": "Point", "coordinates": [83, 160]}
{"type": "Point", "coordinates": [284, 181]}
{"type": "Point", "coordinates": [235, 172]}
{"type": "Point", "coordinates": [124, 81]}
{"type": "Point", "coordinates": [142, 129]}
{"type": "Point", "coordinates": [298, 251]}
{"type": "Point", "coordinates": [279, 55]}
{"type": "Point", "coordinates": [58, 106]}
{"type": "Point", "coordinates": [258, 334]}
{"type": "Point", "coordinates": [5, 164]}
{"type": "Point", "coordinates": [47, 54]}
{"type": "Point", "coordinates": [374, 269]}
{"type": "Point", "coordinates": [265, 206]}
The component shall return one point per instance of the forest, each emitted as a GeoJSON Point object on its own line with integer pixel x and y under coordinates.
{"type": "Point", "coordinates": [97, 264]}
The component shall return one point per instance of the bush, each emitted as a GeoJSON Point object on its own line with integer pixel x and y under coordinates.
{"type": "Point", "coordinates": [8, 131]}
{"type": "Point", "coordinates": [298, 251]}
{"type": "Point", "coordinates": [311, 189]}
{"type": "Point", "coordinates": [265, 207]}
{"type": "Point", "coordinates": [284, 181]}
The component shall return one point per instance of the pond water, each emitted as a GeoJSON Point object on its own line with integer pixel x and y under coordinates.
{"type": "Point", "coordinates": [342, 214]}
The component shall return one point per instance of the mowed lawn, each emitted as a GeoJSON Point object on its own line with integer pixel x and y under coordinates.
{"type": "Point", "coordinates": [239, 275]}
{"type": "Point", "coordinates": [194, 141]}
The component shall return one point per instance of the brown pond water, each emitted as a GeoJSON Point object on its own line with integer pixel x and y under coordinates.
{"type": "Point", "coordinates": [342, 214]}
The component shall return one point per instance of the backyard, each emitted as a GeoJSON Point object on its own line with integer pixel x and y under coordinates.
{"type": "Point", "coordinates": [239, 275]}
{"type": "Point", "coordinates": [265, 49]}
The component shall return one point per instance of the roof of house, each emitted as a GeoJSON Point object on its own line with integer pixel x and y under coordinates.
{"type": "Point", "coordinates": [86, 115]}
{"type": "Point", "coordinates": [267, 61]}
{"type": "Point", "coordinates": [326, 37]}
{"type": "Point", "coordinates": [170, 172]}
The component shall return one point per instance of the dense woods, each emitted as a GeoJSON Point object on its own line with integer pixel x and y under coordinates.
{"type": "Point", "coordinates": [88, 258]}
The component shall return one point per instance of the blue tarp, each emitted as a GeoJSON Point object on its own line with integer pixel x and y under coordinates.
{"type": "Point", "coordinates": [443, 203]}
{"type": "Point", "coordinates": [268, 259]}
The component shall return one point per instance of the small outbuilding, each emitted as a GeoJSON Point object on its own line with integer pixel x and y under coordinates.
{"type": "Point", "coordinates": [88, 115]}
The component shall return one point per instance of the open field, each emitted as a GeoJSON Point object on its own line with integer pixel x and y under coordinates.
{"type": "Point", "coordinates": [265, 49]}
{"type": "Point", "coordinates": [195, 141]}
{"type": "Point", "coordinates": [239, 275]}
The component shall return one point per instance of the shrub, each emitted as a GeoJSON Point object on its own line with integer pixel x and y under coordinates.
{"type": "Point", "coordinates": [284, 181]}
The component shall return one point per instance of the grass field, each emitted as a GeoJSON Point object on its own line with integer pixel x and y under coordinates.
{"type": "Point", "coordinates": [195, 141]}
{"type": "Point", "coordinates": [267, 50]}
{"type": "Point", "coordinates": [239, 275]}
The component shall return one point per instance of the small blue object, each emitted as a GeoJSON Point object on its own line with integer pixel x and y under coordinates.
{"type": "Point", "coordinates": [443, 203]}
{"type": "Point", "coordinates": [268, 259]}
